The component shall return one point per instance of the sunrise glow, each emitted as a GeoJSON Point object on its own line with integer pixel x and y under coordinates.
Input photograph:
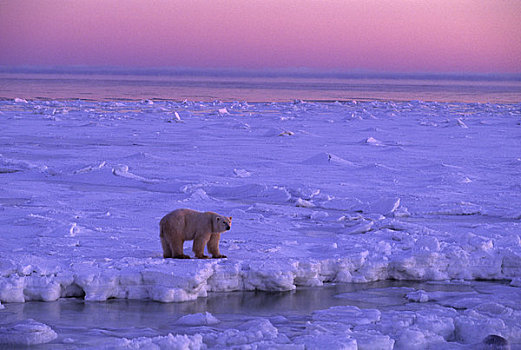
{"type": "Point", "coordinates": [402, 36]}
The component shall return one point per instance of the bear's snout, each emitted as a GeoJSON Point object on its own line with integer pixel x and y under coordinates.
{"type": "Point", "coordinates": [227, 227]}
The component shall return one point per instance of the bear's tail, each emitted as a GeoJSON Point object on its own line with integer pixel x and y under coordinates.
{"type": "Point", "coordinates": [161, 229]}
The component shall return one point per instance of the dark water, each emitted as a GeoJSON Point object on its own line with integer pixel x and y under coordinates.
{"type": "Point", "coordinates": [95, 85]}
{"type": "Point", "coordinates": [82, 324]}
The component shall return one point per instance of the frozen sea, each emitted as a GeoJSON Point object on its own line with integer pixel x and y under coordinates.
{"type": "Point", "coordinates": [367, 223]}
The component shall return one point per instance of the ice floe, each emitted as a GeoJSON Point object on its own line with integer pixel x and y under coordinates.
{"type": "Point", "coordinates": [26, 332]}
{"type": "Point", "coordinates": [169, 341]}
{"type": "Point", "coordinates": [83, 195]}
{"type": "Point", "coordinates": [198, 320]}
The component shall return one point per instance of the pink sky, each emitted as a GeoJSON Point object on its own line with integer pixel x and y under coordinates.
{"type": "Point", "coordinates": [379, 35]}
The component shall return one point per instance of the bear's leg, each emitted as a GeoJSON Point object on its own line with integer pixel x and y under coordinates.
{"type": "Point", "coordinates": [199, 244]}
{"type": "Point", "coordinates": [177, 247]}
{"type": "Point", "coordinates": [213, 246]}
{"type": "Point", "coordinates": [167, 252]}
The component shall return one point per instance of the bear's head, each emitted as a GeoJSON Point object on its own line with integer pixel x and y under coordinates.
{"type": "Point", "coordinates": [222, 223]}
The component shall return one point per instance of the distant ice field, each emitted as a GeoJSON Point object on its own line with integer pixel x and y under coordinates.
{"type": "Point", "coordinates": [110, 85]}
{"type": "Point", "coordinates": [346, 192]}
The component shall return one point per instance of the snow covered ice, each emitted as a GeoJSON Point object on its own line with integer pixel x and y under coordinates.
{"type": "Point", "coordinates": [28, 332]}
{"type": "Point", "coordinates": [319, 193]}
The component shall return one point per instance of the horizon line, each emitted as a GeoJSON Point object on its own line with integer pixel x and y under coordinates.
{"type": "Point", "coordinates": [240, 72]}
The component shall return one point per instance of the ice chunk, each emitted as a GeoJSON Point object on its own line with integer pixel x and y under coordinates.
{"type": "Point", "coordinates": [26, 332]}
{"type": "Point", "coordinates": [241, 173]}
{"type": "Point", "coordinates": [90, 168]}
{"type": "Point", "coordinates": [341, 203]}
{"type": "Point", "coordinates": [188, 282]}
{"type": "Point", "coordinates": [362, 227]}
{"type": "Point", "coordinates": [206, 319]}
{"type": "Point", "coordinates": [495, 342]}
{"type": "Point", "coordinates": [460, 208]}
{"type": "Point", "coordinates": [415, 339]}
{"type": "Point", "coordinates": [309, 274]}
{"type": "Point", "coordinates": [45, 288]}
{"type": "Point", "coordinates": [251, 332]}
{"type": "Point", "coordinates": [373, 142]}
{"type": "Point", "coordinates": [333, 342]}
{"type": "Point", "coordinates": [20, 100]}
{"type": "Point", "coordinates": [318, 215]}
{"type": "Point", "coordinates": [385, 206]}
{"type": "Point", "coordinates": [191, 342]}
{"type": "Point", "coordinates": [122, 170]}
{"type": "Point", "coordinates": [425, 266]}
{"type": "Point", "coordinates": [493, 309]}
{"type": "Point", "coordinates": [12, 289]}
{"type": "Point", "coordinates": [1, 306]}
{"type": "Point", "coordinates": [511, 266]}
{"type": "Point", "coordinates": [304, 203]}
{"type": "Point", "coordinates": [471, 327]}
{"type": "Point", "coordinates": [306, 192]}
{"type": "Point", "coordinates": [372, 340]}
{"type": "Point", "coordinates": [74, 230]}
{"type": "Point", "coordinates": [439, 322]}
{"type": "Point", "coordinates": [261, 325]}
{"type": "Point", "coordinates": [419, 296]}
{"type": "Point", "coordinates": [348, 314]}
{"type": "Point", "coordinates": [270, 275]}
{"type": "Point", "coordinates": [516, 282]}
{"type": "Point", "coordinates": [326, 159]}
{"type": "Point", "coordinates": [226, 276]}
{"type": "Point", "coordinates": [199, 195]}
{"type": "Point", "coordinates": [461, 123]}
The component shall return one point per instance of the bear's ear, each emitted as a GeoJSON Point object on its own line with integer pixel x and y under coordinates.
{"type": "Point", "coordinates": [229, 217]}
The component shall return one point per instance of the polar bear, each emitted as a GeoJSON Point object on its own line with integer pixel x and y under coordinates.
{"type": "Point", "coordinates": [186, 225]}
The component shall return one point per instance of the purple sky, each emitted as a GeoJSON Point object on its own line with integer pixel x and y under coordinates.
{"type": "Point", "coordinates": [402, 36]}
